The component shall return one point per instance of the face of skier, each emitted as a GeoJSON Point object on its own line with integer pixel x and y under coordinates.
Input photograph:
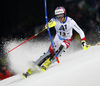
{"type": "Point", "coordinates": [61, 17]}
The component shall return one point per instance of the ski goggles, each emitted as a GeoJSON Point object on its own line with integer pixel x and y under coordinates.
{"type": "Point", "coordinates": [60, 16]}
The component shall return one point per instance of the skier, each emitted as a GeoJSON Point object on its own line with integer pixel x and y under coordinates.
{"type": "Point", "coordinates": [64, 27]}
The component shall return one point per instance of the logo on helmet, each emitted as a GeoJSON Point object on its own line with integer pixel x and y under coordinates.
{"type": "Point", "coordinates": [60, 10]}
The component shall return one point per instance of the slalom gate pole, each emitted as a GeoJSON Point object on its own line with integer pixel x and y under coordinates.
{"type": "Point", "coordinates": [49, 30]}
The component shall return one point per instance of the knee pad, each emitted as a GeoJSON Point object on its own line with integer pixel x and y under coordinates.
{"type": "Point", "coordinates": [66, 44]}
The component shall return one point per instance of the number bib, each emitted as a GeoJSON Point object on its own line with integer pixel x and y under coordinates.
{"type": "Point", "coordinates": [63, 29]}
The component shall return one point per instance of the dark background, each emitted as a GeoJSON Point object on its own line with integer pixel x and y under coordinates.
{"type": "Point", "coordinates": [20, 17]}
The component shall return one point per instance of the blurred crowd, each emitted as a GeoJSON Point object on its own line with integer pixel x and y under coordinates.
{"type": "Point", "coordinates": [4, 71]}
{"type": "Point", "coordinates": [85, 12]}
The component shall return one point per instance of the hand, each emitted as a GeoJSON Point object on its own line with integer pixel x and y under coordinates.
{"type": "Point", "coordinates": [85, 45]}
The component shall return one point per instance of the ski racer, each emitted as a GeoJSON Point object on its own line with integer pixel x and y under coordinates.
{"type": "Point", "coordinates": [64, 27]}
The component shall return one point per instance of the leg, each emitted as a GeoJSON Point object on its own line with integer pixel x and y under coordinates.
{"type": "Point", "coordinates": [59, 52]}
{"type": "Point", "coordinates": [63, 45]}
{"type": "Point", "coordinates": [43, 58]}
{"type": "Point", "coordinates": [60, 46]}
{"type": "Point", "coordinates": [44, 61]}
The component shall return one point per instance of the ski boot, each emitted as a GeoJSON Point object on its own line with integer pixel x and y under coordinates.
{"type": "Point", "coordinates": [29, 72]}
{"type": "Point", "coordinates": [46, 64]}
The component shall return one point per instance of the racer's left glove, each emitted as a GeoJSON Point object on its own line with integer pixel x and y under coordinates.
{"type": "Point", "coordinates": [85, 45]}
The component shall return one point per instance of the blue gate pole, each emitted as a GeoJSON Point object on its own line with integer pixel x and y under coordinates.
{"type": "Point", "coordinates": [49, 31]}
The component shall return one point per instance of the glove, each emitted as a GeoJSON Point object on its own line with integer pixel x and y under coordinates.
{"type": "Point", "coordinates": [85, 45]}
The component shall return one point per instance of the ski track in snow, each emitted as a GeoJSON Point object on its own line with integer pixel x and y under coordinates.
{"type": "Point", "coordinates": [77, 67]}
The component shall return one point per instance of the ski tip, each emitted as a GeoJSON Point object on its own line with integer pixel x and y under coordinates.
{"type": "Point", "coordinates": [43, 68]}
{"type": "Point", "coordinates": [24, 75]}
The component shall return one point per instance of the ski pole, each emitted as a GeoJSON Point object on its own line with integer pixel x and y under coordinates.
{"type": "Point", "coordinates": [51, 24]}
{"type": "Point", "coordinates": [49, 31]}
{"type": "Point", "coordinates": [25, 41]}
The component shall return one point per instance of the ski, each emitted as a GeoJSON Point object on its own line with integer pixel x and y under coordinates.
{"type": "Point", "coordinates": [34, 69]}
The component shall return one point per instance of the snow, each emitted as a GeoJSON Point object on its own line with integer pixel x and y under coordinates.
{"type": "Point", "coordinates": [80, 68]}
